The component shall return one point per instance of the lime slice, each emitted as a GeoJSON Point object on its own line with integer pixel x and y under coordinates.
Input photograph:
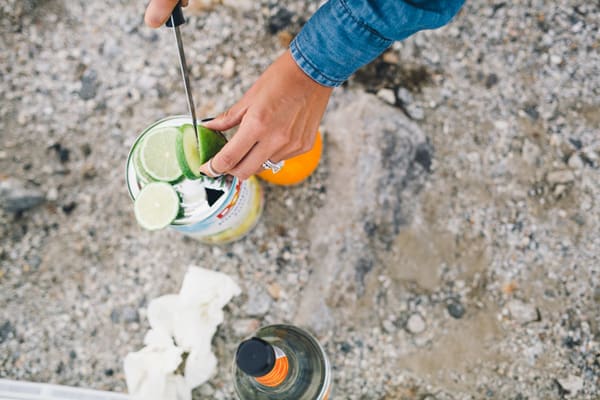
{"type": "Point", "coordinates": [210, 142]}
{"type": "Point", "coordinates": [156, 206]}
{"type": "Point", "coordinates": [158, 154]}
{"type": "Point", "coordinates": [187, 152]}
{"type": "Point", "coordinates": [139, 169]}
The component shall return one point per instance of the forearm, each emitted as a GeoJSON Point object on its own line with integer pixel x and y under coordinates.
{"type": "Point", "coordinates": [344, 35]}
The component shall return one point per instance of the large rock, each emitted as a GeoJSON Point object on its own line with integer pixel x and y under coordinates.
{"type": "Point", "coordinates": [377, 160]}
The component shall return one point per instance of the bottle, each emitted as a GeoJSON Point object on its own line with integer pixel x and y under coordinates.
{"type": "Point", "coordinates": [281, 362]}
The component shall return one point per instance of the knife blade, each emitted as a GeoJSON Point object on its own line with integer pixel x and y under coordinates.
{"type": "Point", "coordinates": [175, 21]}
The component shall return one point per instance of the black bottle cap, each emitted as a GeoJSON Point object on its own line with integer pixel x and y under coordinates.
{"type": "Point", "coordinates": [255, 357]}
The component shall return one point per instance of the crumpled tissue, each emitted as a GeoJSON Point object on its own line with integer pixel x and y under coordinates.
{"type": "Point", "coordinates": [181, 324]}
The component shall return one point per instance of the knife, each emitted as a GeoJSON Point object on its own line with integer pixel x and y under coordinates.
{"type": "Point", "coordinates": [174, 22]}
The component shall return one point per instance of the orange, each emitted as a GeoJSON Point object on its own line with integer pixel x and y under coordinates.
{"type": "Point", "coordinates": [296, 169]}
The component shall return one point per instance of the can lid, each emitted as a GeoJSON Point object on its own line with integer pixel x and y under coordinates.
{"type": "Point", "coordinates": [255, 357]}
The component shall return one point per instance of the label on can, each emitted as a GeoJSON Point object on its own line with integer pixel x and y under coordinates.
{"type": "Point", "coordinates": [233, 219]}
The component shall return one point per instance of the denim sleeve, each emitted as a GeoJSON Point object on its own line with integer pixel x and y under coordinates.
{"type": "Point", "coordinates": [344, 35]}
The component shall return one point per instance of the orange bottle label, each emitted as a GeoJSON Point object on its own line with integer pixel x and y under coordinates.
{"type": "Point", "coordinates": [279, 372]}
{"type": "Point", "coordinates": [327, 394]}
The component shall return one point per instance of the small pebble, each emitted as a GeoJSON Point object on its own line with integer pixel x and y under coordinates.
{"type": "Point", "coordinates": [491, 80]}
{"type": "Point", "coordinates": [242, 5]}
{"type": "Point", "coordinates": [387, 95]}
{"type": "Point", "coordinates": [16, 196]}
{"type": "Point", "coordinates": [345, 347]}
{"type": "Point", "coordinates": [415, 111]}
{"type": "Point", "coordinates": [52, 194]}
{"type": "Point", "coordinates": [388, 326]}
{"type": "Point", "coordinates": [130, 315]}
{"type": "Point", "coordinates": [115, 316]}
{"type": "Point", "coordinates": [391, 57]}
{"type": "Point", "coordinates": [572, 384]}
{"type": "Point", "coordinates": [456, 309]}
{"type": "Point", "coordinates": [279, 20]}
{"type": "Point", "coordinates": [89, 85]}
{"type": "Point", "coordinates": [555, 59]}
{"type": "Point", "coordinates": [404, 95]}
{"type": "Point", "coordinates": [575, 162]}
{"type": "Point", "coordinates": [6, 331]}
{"type": "Point", "coordinates": [522, 312]}
{"type": "Point", "coordinates": [69, 207]}
{"type": "Point", "coordinates": [562, 176]}
{"type": "Point", "coordinates": [228, 68]}
{"type": "Point", "coordinates": [258, 302]}
{"type": "Point", "coordinates": [577, 143]}
{"type": "Point", "coordinates": [415, 324]}
{"type": "Point", "coordinates": [245, 326]}
{"type": "Point", "coordinates": [274, 290]}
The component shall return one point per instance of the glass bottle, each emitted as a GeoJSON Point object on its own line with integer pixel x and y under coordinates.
{"type": "Point", "coordinates": [281, 362]}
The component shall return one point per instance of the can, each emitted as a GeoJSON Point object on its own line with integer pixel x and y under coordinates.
{"type": "Point", "coordinates": [213, 211]}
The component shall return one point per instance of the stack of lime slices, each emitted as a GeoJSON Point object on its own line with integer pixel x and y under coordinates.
{"type": "Point", "coordinates": [163, 158]}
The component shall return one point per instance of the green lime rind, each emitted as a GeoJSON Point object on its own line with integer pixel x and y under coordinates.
{"type": "Point", "coordinates": [156, 206]}
{"type": "Point", "coordinates": [188, 155]}
{"type": "Point", "coordinates": [210, 142]}
{"type": "Point", "coordinates": [158, 155]}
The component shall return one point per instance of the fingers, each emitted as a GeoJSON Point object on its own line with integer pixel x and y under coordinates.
{"type": "Point", "coordinates": [158, 11]}
{"type": "Point", "coordinates": [228, 119]}
{"type": "Point", "coordinates": [249, 148]}
{"type": "Point", "coordinates": [232, 153]}
{"type": "Point", "coordinates": [254, 143]}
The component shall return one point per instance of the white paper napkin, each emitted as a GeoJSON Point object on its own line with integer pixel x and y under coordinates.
{"type": "Point", "coordinates": [181, 323]}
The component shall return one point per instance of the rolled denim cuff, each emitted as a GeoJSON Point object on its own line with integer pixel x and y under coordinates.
{"type": "Point", "coordinates": [334, 44]}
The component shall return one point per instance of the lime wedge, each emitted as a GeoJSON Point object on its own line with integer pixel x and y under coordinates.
{"type": "Point", "coordinates": [158, 155]}
{"type": "Point", "coordinates": [187, 152]}
{"type": "Point", "coordinates": [210, 142]}
{"type": "Point", "coordinates": [156, 206]}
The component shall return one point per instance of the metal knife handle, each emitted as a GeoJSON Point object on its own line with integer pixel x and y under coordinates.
{"type": "Point", "coordinates": [176, 18]}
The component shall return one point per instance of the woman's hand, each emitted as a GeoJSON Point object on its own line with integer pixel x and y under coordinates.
{"type": "Point", "coordinates": [278, 118]}
{"type": "Point", "coordinates": [158, 11]}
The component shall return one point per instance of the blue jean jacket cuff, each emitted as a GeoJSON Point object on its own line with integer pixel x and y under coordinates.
{"type": "Point", "coordinates": [334, 44]}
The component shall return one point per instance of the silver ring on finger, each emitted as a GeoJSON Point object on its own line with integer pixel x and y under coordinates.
{"type": "Point", "coordinates": [212, 171]}
{"type": "Point", "coordinates": [275, 167]}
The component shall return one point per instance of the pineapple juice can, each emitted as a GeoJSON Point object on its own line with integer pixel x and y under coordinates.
{"type": "Point", "coordinates": [213, 211]}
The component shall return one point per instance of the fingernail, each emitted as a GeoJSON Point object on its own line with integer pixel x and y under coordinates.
{"type": "Point", "coordinates": [204, 170]}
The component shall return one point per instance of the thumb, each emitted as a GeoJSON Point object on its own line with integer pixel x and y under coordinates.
{"type": "Point", "coordinates": [158, 11]}
{"type": "Point", "coordinates": [228, 119]}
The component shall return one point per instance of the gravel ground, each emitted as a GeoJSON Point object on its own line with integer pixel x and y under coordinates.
{"type": "Point", "coordinates": [446, 248]}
